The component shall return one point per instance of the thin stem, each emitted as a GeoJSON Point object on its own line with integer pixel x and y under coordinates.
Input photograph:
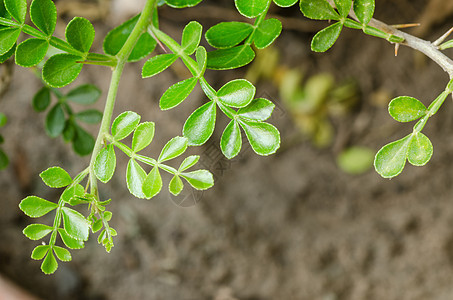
{"type": "Point", "coordinates": [123, 54]}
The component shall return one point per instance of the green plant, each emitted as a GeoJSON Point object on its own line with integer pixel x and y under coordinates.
{"type": "Point", "coordinates": [133, 41]}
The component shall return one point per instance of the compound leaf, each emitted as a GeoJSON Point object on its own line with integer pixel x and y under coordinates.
{"type": "Point", "coordinates": [39, 252]}
{"type": "Point", "coordinates": [17, 9]}
{"type": "Point", "coordinates": [8, 38]}
{"type": "Point", "coordinates": [174, 148]}
{"type": "Point", "coordinates": [75, 224]}
{"type": "Point", "coordinates": [251, 8]}
{"type": "Point", "coordinates": [41, 100]}
{"type": "Point", "coordinates": [318, 10]}
{"type": "Point", "coordinates": [228, 34]}
{"type": "Point", "coordinates": [200, 124]}
{"type": "Point", "coordinates": [267, 33]}
{"type": "Point", "coordinates": [157, 64]}
{"type": "Point", "coordinates": [200, 179]}
{"type": "Point", "coordinates": [62, 253]}
{"type": "Point", "coordinates": [55, 177]}
{"type": "Point", "coordinates": [135, 177]}
{"type": "Point", "coordinates": [49, 264]}
{"type": "Point", "coordinates": [177, 93]}
{"type": "Point", "coordinates": [37, 231]}
{"type": "Point", "coordinates": [124, 124]}
{"type": "Point", "coordinates": [364, 9]}
{"type": "Point", "coordinates": [153, 183]}
{"type": "Point", "coordinates": [84, 94]}
{"type": "Point", "coordinates": [176, 185]}
{"type": "Point", "coordinates": [80, 34]}
{"type": "Point", "coordinates": [43, 14]}
{"type": "Point", "coordinates": [236, 93]}
{"type": "Point", "coordinates": [420, 149]}
{"type": "Point", "coordinates": [31, 52]}
{"type": "Point", "coordinates": [191, 37]}
{"type": "Point", "coordinates": [258, 110]}
{"type": "Point", "coordinates": [406, 109]}
{"type": "Point", "coordinates": [390, 159]}
{"type": "Point", "coordinates": [143, 136]}
{"type": "Point", "coordinates": [263, 137]}
{"type": "Point", "coordinates": [61, 69]}
{"type": "Point", "coordinates": [105, 163]}
{"type": "Point", "coordinates": [325, 38]}
{"type": "Point", "coordinates": [36, 207]}
{"type": "Point", "coordinates": [226, 59]}
{"type": "Point", "coordinates": [231, 141]}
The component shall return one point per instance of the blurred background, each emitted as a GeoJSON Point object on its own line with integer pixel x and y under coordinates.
{"type": "Point", "coordinates": [313, 221]}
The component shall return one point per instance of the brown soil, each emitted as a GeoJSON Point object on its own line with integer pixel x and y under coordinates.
{"type": "Point", "coordinates": [288, 226]}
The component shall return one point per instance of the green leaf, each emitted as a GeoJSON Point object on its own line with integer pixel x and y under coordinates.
{"type": "Point", "coordinates": [69, 241]}
{"type": "Point", "coordinates": [8, 54]}
{"type": "Point", "coordinates": [420, 149]}
{"type": "Point", "coordinates": [37, 231]}
{"type": "Point", "coordinates": [55, 121]}
{"type": "Point", "coordinates": [177, 93]}
{"type": "Point", "coordinates": [157, 64]}
{"type": "Point", "coordinates": [343, 7]}
{"type": "Point", "coordinates": [4, 160]}
{"type": "Point", "coordinates": [202, 60]}
{"type": "Point", "coordinates": [3, 119]}
{"type": "Point", "coordinates": [39, 252]}
{"type": "Point", "coordinates": [390, 160]}
{"type": "Point", "coordinates": [182, 3]}
{"type": "Point", "coordinates": [74, 191]}
{"type": "Point", "coordinates": [318, 10]}
{"type": "Point", "coordinates": [285, 3]}
{"type": "Point", "coordinates": [80, 34]}
{"type": "Point", "coordinates": [31, 52]}
{"type": "Point", "coordinates": [43, 14]}
{"type": "Point", "coordinates": [85, 94]}
{"type": "Point", "coordinates": [200, 124]}
{"type": "Point", "coordinates": [96, 226]}
{"type": "Point", "coordinates": [188, 162]}
{"type": "Point", "coordinates": [325, 38]}
{"type": "Point", "coordinates": [355, 160]}
{"type": "Point", "coordinates": [236, 93]}
{"type": "Point", "coordinates": [90, 116]}
{"type": "Point", "coordinates": [62, 253]}
{"type": "Point", "coordinates": [17, 9]}
{"type": "Point", "coordinates": [174, 148]}
{"type": "Point", "coordinates": [176, 185]}
{"type": "Point", "coordinates": [251, 8]}
{"type": "Point", "coordinates": [108, 215]}
{"type": "Point", "coordinates": [153, 183]}
{"type": "Point", "coordinates": [116, 38]}
{"type": "Point", "coordinates": [364, 9]}
{"type": "Point", "coordinates": [135, 177]}
{"type": "Point", "coordinates": [258, 110]}
{"type": "Point", "coordinates": [105, 163]}
{"type": "Point", "coordinates": [226, 59]}
{"type": "Point", "coordinates": [406, 109]}
{"type": "Point", "coordinates": [263, 137]}
{"type": "Point", "coordinates": [83, 142]}
{"type": "Point", "coordinates": [36, 207]}
{"type": "Point", "coordinates": [8, 38]}
{"type": "Point", "coordinates": [41, 100]}
{"type": "Point", "coordinates": [49, 264]}
{"type": "Point", "coordinates": [56, 177]}
{"type": "Point", "coordinates": [200, 179]}
{"type": "Point", "coordinates": [191, 37]}
{"type": "Point", "coordinates": [124, 124]}
{"type": "Point", "coordinates": [143, 136]}
{"type": "Point", "coordinates": [61, 69]}
{"type": "Point", "coordinates": [228, 34]}
{"type": "Point", "coordinates": [75, 224]}
{"type": "Point", "coordinates": [267, 33]}
{"type": "Point", "coordinates": [231, 141]}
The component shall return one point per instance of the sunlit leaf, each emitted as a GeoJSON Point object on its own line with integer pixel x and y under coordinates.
{"type": "Point", "coordinates": [200, 124]}
{"type": "Point", "coordinates": [231, 141]}
{"type": "Point", "coordinates": [390, 160]}
{"type": "Point", "coordinates": [36, 207]}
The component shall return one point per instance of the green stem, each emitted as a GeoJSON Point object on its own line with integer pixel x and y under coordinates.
{"type": "Point", "coordinates": [123, 54]}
